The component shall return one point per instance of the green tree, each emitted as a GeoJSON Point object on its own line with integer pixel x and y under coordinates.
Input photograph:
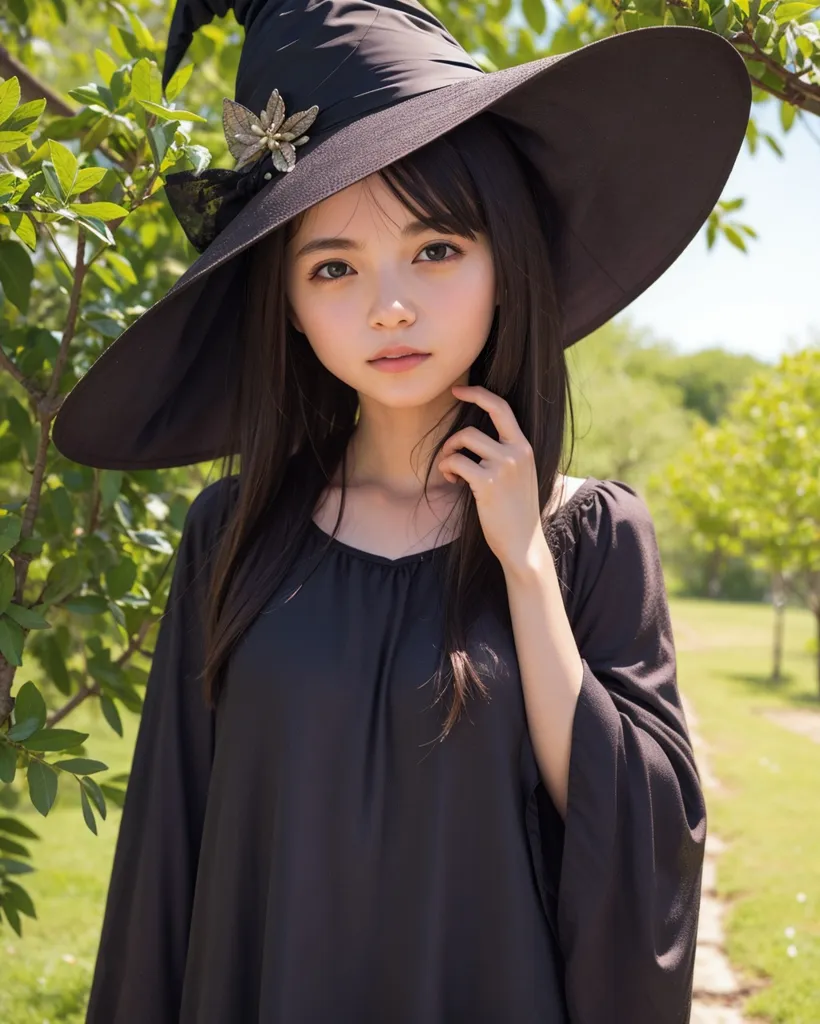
{"type": "Point", "coordinates": [751, 484]}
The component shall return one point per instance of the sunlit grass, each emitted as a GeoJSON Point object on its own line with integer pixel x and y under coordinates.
{"type": "Point", "coordinates": [768, 809]}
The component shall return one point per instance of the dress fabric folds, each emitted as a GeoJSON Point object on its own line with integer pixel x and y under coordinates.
{"type": "Point", "coordinates": [309, 853]}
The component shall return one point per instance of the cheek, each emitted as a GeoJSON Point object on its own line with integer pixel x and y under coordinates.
{"type": "Point", "coordinates": [466, 305]}
{"type": "Point", "coordinates": [329, 322]}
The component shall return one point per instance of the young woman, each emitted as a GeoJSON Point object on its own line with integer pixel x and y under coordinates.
{"type": "Point", "coordinates": [412, 748]}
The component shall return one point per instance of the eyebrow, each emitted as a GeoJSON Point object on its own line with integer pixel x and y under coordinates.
{"type": "Point", "coordinates": [414, 227]}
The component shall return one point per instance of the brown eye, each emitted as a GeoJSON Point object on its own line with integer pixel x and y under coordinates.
{"type": "Point", "coordinates": [438, 253]}
{"type": "Point", "coordinates": [331, 267]}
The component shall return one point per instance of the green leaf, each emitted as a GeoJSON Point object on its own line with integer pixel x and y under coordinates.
{"type": "Point", "coordinates": [86, 604]}
{"type": "Point", "coordinates": [8, 763]}
{"type": "Point", "coordinates": [13, 847]}
{"type": "Point", "coordinates": [10, 912]}
{"type": "Point", "coordinates": [53, 740]}
{"type": "Point", "coordinates": [536, 15]}
{"type": "Point", "coordinates": [734, 237]}
{"type": "Point", "coordinates": [121, 577]}
{"type": "Point", "coordinates": [9, 97]}
{"type": "Point", "coordinates": [63, 578]}
{"type": "Point", "coordinates": [111, 714]}
{"type": "Point", "coordinates": [154, 540]}
{"type": "Point", "coordinates": [88, 177]}
{"type": "Point", "coordinates": [24, 728]}
{"type": "Point", "coordinates": [51, 180]}
{"type": "Point", "coordinates": [50, 656]}
{"type": "Point", "coordinates": [106, 65]}
{"type": "Point", "coordinates": [23, 226]}
{"type": "Point", "coordinates": [787, 12]}
{"type": "Point", "coordinates": [17, 896]}
{"type": "Point", "coordinates": [105, 211]}
{"type": "Point", "coordinates": [7, 582]}
{"type": "Point", "coordinates": [29, 703]}
{"type": "Point", "coordinates": [160, 137]}
{"type": "Point", "coordinates": [10, 526]}
{"type": "Point", "coordinates": [788, 112]}
{"type": "Point", "coordinates": [65, 164]}
{"type": "Point", "coordinates": [96, 97]}
{"type": "Point", "coordinates": [26, 116]}
{"type": "Point", "coordinates": [88, 814]}
{"type": "Point", "coordinates": [15, 867]}
{"type": "Point", "coordinates": [16, 273]}
{"type": "Point", "coordinates": [9, 141]}
{"type": "Point", "coordinates": [177, 82]}
{"type": "Point", "coordinates": [123, 268]}
{"type": "Point", "coordinates": [96, 794]}
{"type": "Point", "coordinates": [199, 156]}
{"type": "Point", "coordinates": [11, 642]}
{"type": "Point", "coordinates": [120, 87]}
{"type": "Point", "coordinates": [63, 509]}
{"type": "Point", "coordinates": [15, 827]}
{"type": "Point", "coordinates": [171, 115]}
{"type": "Point", "coordinates": [98, 133]}
{"type": "Point", "coordinates": [98, 228]}
{"type": "Point", "coordinates": [141, 32]}
{"type": "Point", "coordinates": [146, 81]}
{"type": "Point", "coordinates": [26, 617]}
{"type": "Point", "coordinates": [81, 765]}
{"type": "Point", "coordinates": [42, 786]}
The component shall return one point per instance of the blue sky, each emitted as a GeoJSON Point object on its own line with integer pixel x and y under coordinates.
{"type": "Point", "coordinates": [765, 301]}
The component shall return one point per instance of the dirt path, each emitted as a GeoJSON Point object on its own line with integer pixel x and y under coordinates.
{"type": "Point", "coordinates": [718, 993]}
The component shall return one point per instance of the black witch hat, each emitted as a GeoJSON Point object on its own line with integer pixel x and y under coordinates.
{"type": "Point", "coordinates": [635, 136]}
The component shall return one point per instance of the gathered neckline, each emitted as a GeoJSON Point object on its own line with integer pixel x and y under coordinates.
{"type": "Point", "coordinates": [588, 485]}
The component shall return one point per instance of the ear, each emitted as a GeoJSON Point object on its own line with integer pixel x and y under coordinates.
{"type": "Point", "coordinates": [294, 319]}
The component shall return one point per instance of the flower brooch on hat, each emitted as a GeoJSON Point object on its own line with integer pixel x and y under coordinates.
{"type": "Point", "coordinates": [249, 137]}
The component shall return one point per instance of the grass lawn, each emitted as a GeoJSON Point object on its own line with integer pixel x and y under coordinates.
{"type": "Point", "coordinates": [46, 975]}
{"type": "Point", "coordinates": [767, 811]}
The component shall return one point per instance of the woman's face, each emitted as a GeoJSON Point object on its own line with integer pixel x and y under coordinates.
{"type": "Point", "coordinates": [363, 275]}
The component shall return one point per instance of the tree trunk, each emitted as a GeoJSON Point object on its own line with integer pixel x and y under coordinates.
{"type": "Point", "coordinates": [779, 605]}
{"type": "Point", "coordinates": [713, 567]}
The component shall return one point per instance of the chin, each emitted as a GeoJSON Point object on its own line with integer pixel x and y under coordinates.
{"type": "Point", "coordinates": [406, 394]}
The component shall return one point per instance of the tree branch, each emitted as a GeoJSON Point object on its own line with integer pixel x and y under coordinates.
{"type": "Point", "coordinates": [9, 365]}
{"type": "Point", "coordinates": [47, 407]}
{"type": "Point", "coordinates": [32, 88]}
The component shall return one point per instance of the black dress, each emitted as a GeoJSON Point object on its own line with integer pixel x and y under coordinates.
{"type": "Point", "coordinates": [307, 854]}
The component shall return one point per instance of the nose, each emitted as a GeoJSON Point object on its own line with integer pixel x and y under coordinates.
{"type": "Point", "coordinates": [389, 310]}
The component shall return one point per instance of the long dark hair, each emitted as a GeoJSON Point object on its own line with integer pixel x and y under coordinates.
{"type": "Point", "coordinates": [293, 419]}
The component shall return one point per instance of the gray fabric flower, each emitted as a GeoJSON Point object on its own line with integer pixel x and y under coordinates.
{"type": "Point", "coordinates": [249, 136]}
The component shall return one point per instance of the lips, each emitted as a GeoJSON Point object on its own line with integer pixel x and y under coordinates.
{"type": "Point", "coordinates": [396, 351]}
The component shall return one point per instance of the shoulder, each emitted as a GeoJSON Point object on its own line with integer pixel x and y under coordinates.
{"type": "Point", "coordinates": [606, 532]}
{"type": "Point", "coordinates": [208, 511]}
{"type": "Point", "coordinates": [612, 511]}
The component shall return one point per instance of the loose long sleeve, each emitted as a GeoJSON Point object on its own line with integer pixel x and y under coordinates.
{"type": "Point", "coordinates": [142, 953]}
{"type": "Point", "coordinates": [626, 904]}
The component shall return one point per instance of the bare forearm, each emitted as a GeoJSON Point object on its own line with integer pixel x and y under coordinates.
{"type": "Point", "coordinates": [549, 664]}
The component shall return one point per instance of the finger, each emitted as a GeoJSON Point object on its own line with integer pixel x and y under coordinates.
{"type": "Point", "coordinates": [476, 440]}
{"type": "Point", "coordinates": [498, 408]}
{"type": "Point", "coordinates": [461, 466]}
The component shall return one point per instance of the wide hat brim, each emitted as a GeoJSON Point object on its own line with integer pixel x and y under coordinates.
{"type": "Point", "coordinates": [636, 135]}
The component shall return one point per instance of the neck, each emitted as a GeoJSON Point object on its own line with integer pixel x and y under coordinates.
{"type": "Point", "coordinates": [390, 447]}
